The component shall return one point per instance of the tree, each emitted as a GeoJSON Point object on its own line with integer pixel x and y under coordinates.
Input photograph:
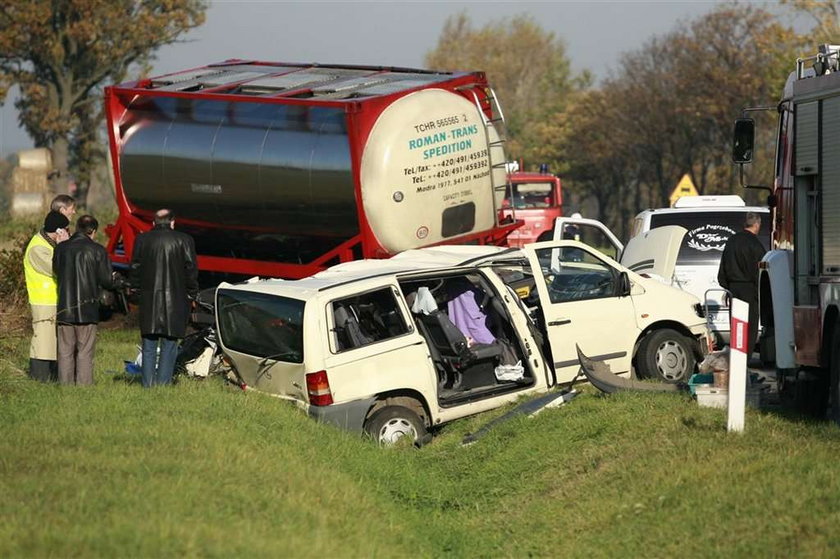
{"type": "Point", "coordinates": [61, 52]}
{"type": "Point", "coordinates": [599, 158]}
{"type": "Point", "coordinates": [825, 15]}
{"type": "Point", "coordinates": [669, 107]}
{"type": "Point", "coordinates": [526, 66]}
{"type": "Point", "coordinates": [723, 81]}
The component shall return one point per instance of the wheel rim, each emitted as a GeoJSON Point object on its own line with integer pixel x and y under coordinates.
{"type": "Point", "coordinates": [395, 429]}
{"type": "Point", "coordinates": [671, 360]}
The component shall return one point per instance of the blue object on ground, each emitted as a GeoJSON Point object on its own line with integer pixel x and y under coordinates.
{"type": "Point", "coordinates": [700, 378]}
{"type": "Point", "coordinates": [132, 368]}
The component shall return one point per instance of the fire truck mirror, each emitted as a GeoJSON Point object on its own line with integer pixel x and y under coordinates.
{"type": "Point", "coordinates": [771, 201]}
{"type": "Point", "coordinates": [743, 140]}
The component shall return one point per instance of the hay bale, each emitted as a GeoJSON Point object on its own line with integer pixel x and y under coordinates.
{"type": "Point", "coordinates": [30, 187]}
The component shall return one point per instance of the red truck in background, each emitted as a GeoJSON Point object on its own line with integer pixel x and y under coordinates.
{"type": "Point", "coordinates": [282, 170]}
{"type": "Point", "coordinates": [537, 200]}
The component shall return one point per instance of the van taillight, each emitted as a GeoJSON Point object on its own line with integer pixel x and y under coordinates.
{"type": "Point", "coordinates": [318, 387]}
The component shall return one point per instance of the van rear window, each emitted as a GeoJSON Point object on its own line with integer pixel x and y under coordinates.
{"type": "Point", "coordinates": [708, 233]}
{"type": "Point", "coordinates": [261, 325]}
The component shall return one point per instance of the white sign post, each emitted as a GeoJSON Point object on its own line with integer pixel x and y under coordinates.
{"type": "Point", "coordinates": [738, 353]}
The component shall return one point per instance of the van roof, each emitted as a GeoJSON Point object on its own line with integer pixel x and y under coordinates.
{"type": "Point", "coordinates": [429, 258]}
{"type": "Point", "coordinates": [729, 200]}
{"type": "Point", "coordinates": [704, 209]}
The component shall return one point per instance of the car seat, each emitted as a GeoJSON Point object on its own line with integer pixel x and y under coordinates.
{"type": "Point", "coordinates": [349, 333]}
{"type": "Point", "coordinates": [451, 345]}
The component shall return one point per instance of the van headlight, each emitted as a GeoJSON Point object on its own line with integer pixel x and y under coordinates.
{"type": "Point", "coordinates": [699, 310]}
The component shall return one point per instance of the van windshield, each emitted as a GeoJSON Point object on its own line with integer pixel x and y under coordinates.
{"type": "Point", "coordinates": [708, 233]}
{"type": "Point", "coordinates": [261, 325]}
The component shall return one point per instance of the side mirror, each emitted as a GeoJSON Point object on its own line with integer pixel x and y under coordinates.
{"type": "Point", "coordinates": [624, 285]}
{"type": "Point", "coordinates": [771, 201]}
{"type": "Point", "coordinates": [743, 140]}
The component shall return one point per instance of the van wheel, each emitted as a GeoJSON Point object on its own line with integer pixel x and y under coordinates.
{"type": "Point", "coordinates": [393, 424]}
{"type": "Point", "coordinates": [665, 355]}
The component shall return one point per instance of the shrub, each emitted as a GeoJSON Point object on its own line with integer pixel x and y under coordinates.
{"type": "Point", "coordinates": [13, 300]}
{"type": "Point", "coordinates": [12, 282]}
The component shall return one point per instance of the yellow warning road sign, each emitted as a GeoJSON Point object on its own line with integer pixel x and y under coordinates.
{"type": "Point", "coordinates": [684, 188]}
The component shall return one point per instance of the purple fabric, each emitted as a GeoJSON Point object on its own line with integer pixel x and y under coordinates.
{"type": "Point", "coordinates": [465, 313]}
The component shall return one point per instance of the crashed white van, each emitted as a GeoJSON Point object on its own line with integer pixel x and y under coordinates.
{"type": "Point", "coordinates": [709, 222]}
{"type": "Point", "coordinates": [396, 347]}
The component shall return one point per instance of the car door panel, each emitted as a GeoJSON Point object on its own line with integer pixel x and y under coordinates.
{"type": "Point", "coordinates": [579, 297]}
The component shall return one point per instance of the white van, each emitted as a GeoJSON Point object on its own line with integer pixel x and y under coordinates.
{"type": "Point", "coordinates": [709, 221]}
{"type": "Point", "coordinates": [381, 345]}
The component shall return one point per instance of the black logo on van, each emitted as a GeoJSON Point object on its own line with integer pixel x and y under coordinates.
{"type": "Point", "coordinates": [709, 237]}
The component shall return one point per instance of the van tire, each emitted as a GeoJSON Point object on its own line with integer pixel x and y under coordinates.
{"type": "Point", "coordinates": [390, 424]}
{"type": "Point", "coordinates": [665, 355]}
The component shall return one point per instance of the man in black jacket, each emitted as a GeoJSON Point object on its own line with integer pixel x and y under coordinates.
{"type": "Point", "coordinates": [82, 269]}
{"type": "Point", "coordinates": [738, 270]}
{"type": "Point", "coordinates": [163, 268]}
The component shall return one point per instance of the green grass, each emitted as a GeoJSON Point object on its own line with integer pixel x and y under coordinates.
{"type": "Point", "coordinates": [201, 469]}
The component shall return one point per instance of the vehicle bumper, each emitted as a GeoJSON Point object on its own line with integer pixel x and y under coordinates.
{"type": "Point", "coordinates": [349, 415]}
{"type": "Point", "coordinates": [701, 334]}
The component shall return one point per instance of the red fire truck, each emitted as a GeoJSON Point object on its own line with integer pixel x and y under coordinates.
{"type": "Point", "coordinates": [800, 277]}
{"type": "Point", "coordinates": [537, 200]}
{"type": "Point", "coordinates": [282, 170]}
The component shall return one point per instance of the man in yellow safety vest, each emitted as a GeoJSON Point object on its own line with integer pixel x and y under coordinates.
{"type": "Point", "coordinates": [43, 295]}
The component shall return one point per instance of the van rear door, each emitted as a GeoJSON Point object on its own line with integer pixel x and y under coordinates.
{"type": "Point", "coordinates": [263, 335]}
{"type": "Point", "coordinates": [708, 230]}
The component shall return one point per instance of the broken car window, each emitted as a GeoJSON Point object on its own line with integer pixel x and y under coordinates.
{"type": "Point", "coordinates": [572, 274]}
{"type": "Point", "coordinates": [364, 319]}
{"type": "Point", "coordinates": [262, 325]}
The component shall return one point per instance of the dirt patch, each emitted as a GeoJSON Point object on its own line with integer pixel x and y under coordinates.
{"type": "Point", "coordinates": [15, 319]}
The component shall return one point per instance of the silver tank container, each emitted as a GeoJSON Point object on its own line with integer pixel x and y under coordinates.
{"type": "Point", "coordinates": [272, 168]}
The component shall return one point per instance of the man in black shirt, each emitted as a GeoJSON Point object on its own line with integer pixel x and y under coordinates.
{"type": "Point", "coordinates": [738, 270]}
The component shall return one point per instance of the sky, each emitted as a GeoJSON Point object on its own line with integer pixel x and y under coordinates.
{"type": "Point", "coordinates": [393, 34]}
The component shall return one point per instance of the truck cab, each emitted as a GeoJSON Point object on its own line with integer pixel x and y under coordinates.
{"type": "Point", "coordinates": [537, 200]}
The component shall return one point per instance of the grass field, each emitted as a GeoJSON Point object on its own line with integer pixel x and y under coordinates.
{"type": "Point", "coordinates": [202, 469]}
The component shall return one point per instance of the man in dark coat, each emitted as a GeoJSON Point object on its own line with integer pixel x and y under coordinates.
{"type": "Point", "coordinates": [738, 270]}
{"type": "Point", "coordinates": [163, 268]}
{"type": "Point", "coordinates": [82, 269]}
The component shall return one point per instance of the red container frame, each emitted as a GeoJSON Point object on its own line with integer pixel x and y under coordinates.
{"type": "Point", "coordinates": [361, 115]}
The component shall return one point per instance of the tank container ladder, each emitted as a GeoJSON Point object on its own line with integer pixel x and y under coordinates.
{"type": "Point", "coordinates": [496, 122]}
